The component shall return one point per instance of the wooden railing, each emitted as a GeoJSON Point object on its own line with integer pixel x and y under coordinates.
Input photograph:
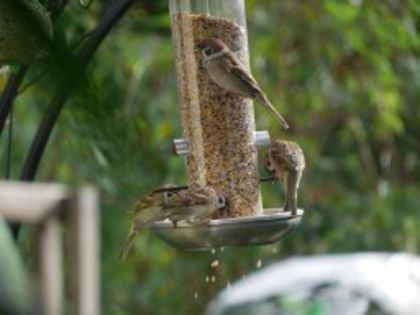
{"type": "Point", "coordinates": [50, 209]}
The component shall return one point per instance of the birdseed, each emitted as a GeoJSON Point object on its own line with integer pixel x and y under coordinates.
{"type": "Point", "coordinates": [218, 125]}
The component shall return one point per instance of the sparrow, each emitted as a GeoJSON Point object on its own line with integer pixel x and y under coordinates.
{"type": "Point", "coordinates": [285, 160]}
{"type": "Point", "coordinates": [146, 211]}
{"type": "Point", "coordinates": [194, 205]}
{"type": "Point", "coordinates": [224, 69]}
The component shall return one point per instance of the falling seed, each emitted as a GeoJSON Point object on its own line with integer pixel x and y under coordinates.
{"type": "Point", "coordinates": [213, 251]}
{"type": "Point", "coordinates": [215, 264]}
{"type": "Point", "coordinates": [228, 285]}
{"type": "Point", "coordinates": [222, 249]}
{"type": "Point", "coordinates": [207, 279]}
{"type": "Point", "coordinates": [274, 249]}
{"type": "Point", "coordinates": [213, 279]}
{"type": "Point", "coordinates": [259, 263]}
{"type": "Point", "coordinates": [196, 295]}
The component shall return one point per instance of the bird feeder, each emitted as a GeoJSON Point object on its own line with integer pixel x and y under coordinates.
{"type": "Point", "coordinates": [217, 125]}
{"type": "Point", "coordinates": [220, 142]}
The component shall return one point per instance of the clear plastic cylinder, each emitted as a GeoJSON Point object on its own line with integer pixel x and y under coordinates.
{"type": "Point", "coordinates": [218, 125]}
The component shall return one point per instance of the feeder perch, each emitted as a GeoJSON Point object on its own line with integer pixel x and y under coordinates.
{"type": "Point", "coordinates": [220, 143]}
{"type": "Point", "coordinates": [181, 146]}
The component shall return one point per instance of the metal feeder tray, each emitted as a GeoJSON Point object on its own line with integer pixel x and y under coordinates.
{"type": "Point", "coordinates": [263, 229]}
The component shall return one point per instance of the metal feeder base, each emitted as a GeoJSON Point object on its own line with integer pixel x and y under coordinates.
{"type": "Point", "coordinates": [263, 229]}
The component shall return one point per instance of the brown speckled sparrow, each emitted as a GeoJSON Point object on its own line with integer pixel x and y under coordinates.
{"type": "Point", "coordinates": [227, 72]}
{"type": "Point", "coordinates": [194, 205]}
{"type": "Point", "coordinates": [285, 160]}
{"type": "Point", "coordinates": [146, 211]}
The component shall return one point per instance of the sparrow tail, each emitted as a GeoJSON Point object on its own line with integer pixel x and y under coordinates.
{"type": "Point", "coordinates": [267, 104]}
{"type": "Point", "coordinates": [127, 246]}
{"type": "Point", "coordinates": [292, 186]}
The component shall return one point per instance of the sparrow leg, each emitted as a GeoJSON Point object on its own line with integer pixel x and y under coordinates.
{"type": "Point", "coordinates": [175, 223]}
{"type": "Point", "coordinates": [292, 186]}
{"type": "Point", "coordinates": [227, 210]}
{"type": "Point", "coordinates": [222, 212]}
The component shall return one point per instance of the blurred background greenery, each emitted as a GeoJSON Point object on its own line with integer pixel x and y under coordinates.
{"type": "Point", "coordinates": [345, 73]}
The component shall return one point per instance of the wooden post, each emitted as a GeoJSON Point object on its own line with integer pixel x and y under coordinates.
{"type": "Point", "coordinates": [43, 206]}
{"type": "Point", "coordinates": [49, 265]}
{"type": "Point", "coordinates": [84, 220]}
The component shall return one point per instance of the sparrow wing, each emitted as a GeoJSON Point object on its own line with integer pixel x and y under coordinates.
{"type": "Point", "coordinates": [150, 200]}
{"type": "Point", "coordinates": [249, 86]}
{"type": "Point", "coordinates": [294, 156]}
{"type": "Point", "coordinates": [187, 199]}
{"type": "Point", "coordinates": [243, 78]}
{"type": "Point", "coordinates": [147, 210]}
{"type": "Point", "coordinates": [291, 157]}
{"type": "Point", "coordinates": [298, 161]}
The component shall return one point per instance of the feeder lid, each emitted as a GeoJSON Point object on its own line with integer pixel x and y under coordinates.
{"type": "Point", "coordinates": [262, 229]}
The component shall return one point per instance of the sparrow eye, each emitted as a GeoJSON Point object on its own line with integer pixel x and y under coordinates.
{"type": "Point", "coordinates": [221, 201]}
{"type": "Point", "coordinates": [208, 51]}
{"type": "Point", "coordinates": [169, 194]}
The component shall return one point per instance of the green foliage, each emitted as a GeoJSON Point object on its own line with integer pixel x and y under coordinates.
{"type": "Point", "coordinates": [345, 73]}
{"type": "Point", "coordinates": [25, 31]}
{"type": "Point", "coordinates": [15, 296]}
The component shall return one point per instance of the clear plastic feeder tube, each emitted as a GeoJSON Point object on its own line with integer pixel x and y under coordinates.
{"type": "Point", "coordinates": [218, 125]}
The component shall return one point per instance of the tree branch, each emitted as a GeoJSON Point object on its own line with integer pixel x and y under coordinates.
{"type": "Point", "coordinates": [9, 94]}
